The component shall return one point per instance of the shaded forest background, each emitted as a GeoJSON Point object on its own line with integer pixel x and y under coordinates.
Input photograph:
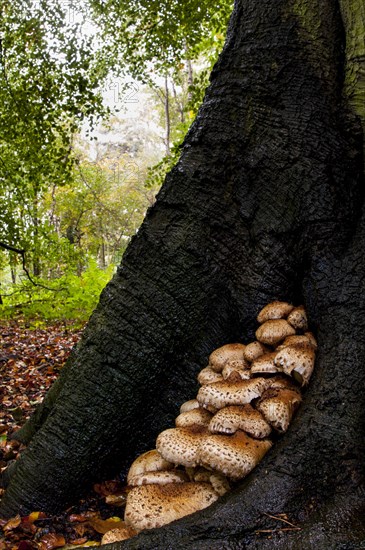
{"type": "Point", "coordinates": [95, 101]}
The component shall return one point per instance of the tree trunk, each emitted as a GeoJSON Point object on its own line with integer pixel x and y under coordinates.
{"type": "Point", "coordinates": [265, 203]}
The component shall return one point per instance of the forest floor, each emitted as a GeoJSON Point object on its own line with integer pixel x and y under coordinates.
{"type": "Point", "coordinates": [30, 361]}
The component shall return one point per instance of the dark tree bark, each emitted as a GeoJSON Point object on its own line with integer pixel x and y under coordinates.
{"type": "Point", "coordinates": [265, 203]}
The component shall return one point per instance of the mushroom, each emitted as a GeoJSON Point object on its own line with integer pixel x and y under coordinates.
{"type": "Point", "coordinates": [274, 310]}
{"type": "Point", "coordinates": [181, 445]}
{"type": "Point", "coordinates": [254, 350]}
{"type": "Point", "coordinates": [265, 364]}
{"type": "Point", "coordinates": [297, 360]}
{"type": "Point", "coordinates": [151, 461]}
{"type": "Point", "coordinates": [240, 417]}
{"type": "Point", "coordinates": [218, 481]}
{"type": "Point", "coordinates": [208, 375]}
{"type": "Point", "coordinates": [236, 369]}
{"type": "Point", "coordinates": [298, 318]}
{"type": "Point", "coordinates": [198, 417]}
{"type": "Point", "coordinates": [221, 394]}
{"type": "Point", "coordinates": [281, 382]}
{"type": "Point", "coordinates": [274, 331]}
{"type": "Point", "coordinates": [189, 405]}
{"type": "Point", "coordinates": [306, 338]}
{"type": "Point", "coordinates": [117, 534]}
{"type": "Point", "coordinates": [233, 455]}
{"type": "Point", "coordinates": [278, 407]}
{"type": "Point", "coordinates": [151, 506]}
{"type": "Point", "coordinates": [219, 357]}
{"type": "Point", "coordinates": [161, 478]}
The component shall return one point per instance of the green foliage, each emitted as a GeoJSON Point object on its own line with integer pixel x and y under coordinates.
{"type": "Point", "coordinates": [70, 297]}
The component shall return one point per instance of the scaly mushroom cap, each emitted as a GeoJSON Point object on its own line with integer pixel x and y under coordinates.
{"type": "Point", "coordinates": [240, 417]}
{"type": "Point", "coordinates": [161, 478]}
{"type": "Point", "coordinates": [151, 506]}
{"type": "Point", "coordinates": [233, 455]}
{"type": "Point", "coordinates": [298, 318]}
{"type": "Point", "coordinates": [254, 350]}
{"type": "Point", "coordinates": [278, 407]}
{"type": "Point", "coordinates": [236, 369]}
{"type": "Point", "coordinates": [218, 481]}
{"type": "Point", "coordinates": [118, 534]}
{"type": "Point", "coordinates": [195, 417]}
{"type": "Point", "coordinates": [189, 405]}
{"type": "Point", "coordinates": [297, 360]}
{"type": "Point", "coordinates": [265, 364]}
{"type": "Point", "coordinates": [151, 461]}
{"type": "Point", "coordinates": [181, 445]}
{"type": "Point", "coordinates": [219, 357]}
{"type": "Point", "coordinates": [281, 382]}
{"type": "Point", "coordinates": [274, 331]}
{"type": "Point", "coordinates": [208, 376]}
{"type": "Point", "coordinates": [221, 394]}
{"type": "Point", "coordinates": [274, 310]}
{"type": "Point", "coordinates": [306, 338]}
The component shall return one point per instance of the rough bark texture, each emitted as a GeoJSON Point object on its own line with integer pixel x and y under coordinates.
{"type": "Point", "coordinates": [266, 202]}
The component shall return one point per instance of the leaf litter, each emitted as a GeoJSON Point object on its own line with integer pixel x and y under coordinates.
{"type": "Point", "coordinates": [30, 361]}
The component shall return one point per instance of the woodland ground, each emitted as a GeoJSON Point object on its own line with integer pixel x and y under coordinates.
{"type": "Point", "coordinates": [30, 361]}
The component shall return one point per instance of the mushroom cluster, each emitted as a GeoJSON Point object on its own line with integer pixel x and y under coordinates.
{"type": "Point", "coordinates": [248, 394]}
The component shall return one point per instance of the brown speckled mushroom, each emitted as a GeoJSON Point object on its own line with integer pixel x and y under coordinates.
{"type": "Point", "coordinates": [297, 360]}
{"type": "Point", "coordinates": [151, 461]}
{"type": "Point", "coordinates": [161, 478]}
{"type": "Point", "coordinates": [221, 394]}
{"type": "Point", "coordinates": [219, 357]}
{"type": "Point", "coordinates": [236, 369]}
{"type": "Point", "coordinates": [118, 534]}
{"type": "Point", "coordinates": [298, 318]}
{"type": "Point", "coordinates": [306, 338]}
{"type": "Point", "coordinates": [218, 481]}
{"type": "Point", "coordinates": [240, 417]}
{"type": "Point", "coordinates": [151, 506]}
{"type": "Point", "coordinates": [274, 310]}
{"type": "Point", "coordinates": [189, 405]}
{"type": "Point", "coordinates": [208, 376]}
{"type": "Point", "coordinates": [265, 364]}
{"type": "Point", "coordinates": [195, 417]}
{"type": "Point", "coordinates": [281, 381]}
{"type": "Point", "coordinates": [233, 455]}
{"type": "Point", "coordinates": [181, 445]}
{"type": "Point", "coordinates": [254, 350]}
{"type": "Point", "coordinates": [274, 331]}
{"type": "Point", "coordinates": [278, 407]}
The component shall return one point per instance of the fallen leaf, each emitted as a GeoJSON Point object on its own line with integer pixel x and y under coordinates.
{"type": "Point", "coordinates": [53, 540]}
{"type": "Point", "coordinates": [13, 523]}
{"type": "Point", "coordinates": [102, 526]}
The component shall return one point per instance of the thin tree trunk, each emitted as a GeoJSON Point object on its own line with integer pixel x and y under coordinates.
{"type": "Point", "coordinates": [265, 203]}
{"type": "Point", "coordinates": [167, 118]}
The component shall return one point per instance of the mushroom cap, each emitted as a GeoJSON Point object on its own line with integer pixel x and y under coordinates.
{"type": "Point", "coordinates": [233, 455]}
{"type": "Point", "coordinates": [236, 369]}
{"type": "Point", "coordinates": [274, 310]}
{"type": "Point", "coordinates": [218, 481]}
{"type": "Point", "coordinates": [219, 357]}
{"type": "Point", "coordinates": [151, 461]}
{"type": "Point", "coordinates": [118, 534]}
{"type": "Point", "coordinates": [181, 445]}
{"type": "Point", "coordinates": [281, 381]}
{"type": "Point", "coordinates": [161, 478]}
{"type": "Point", "coordinates": [208, 376]}
{"type": "Point", "coordinates": [298, 318]}
{"type": "Point", "coordinates": [278, 407]}
{"type": "Point", "coordinates": [297, 360]}
{"type": "Point", "coordinates": [274, 331]}
{"type": "Point", "coordinates": [152, 506]}
{"type": "Point", "coordinates": [221, 394]}
{"type": "Point", "coordinates": [195, 417]}
{"type": "Point", "coordinates": [254, 350]}
{"type": "Point", "coordinates": [306, 338]}
{"type": "Point", "coordinates": [189, 405]}
{"type": "Point", "coordinates": [240, 417]}
{"type": "Point", "coordinates": [265, 364]}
